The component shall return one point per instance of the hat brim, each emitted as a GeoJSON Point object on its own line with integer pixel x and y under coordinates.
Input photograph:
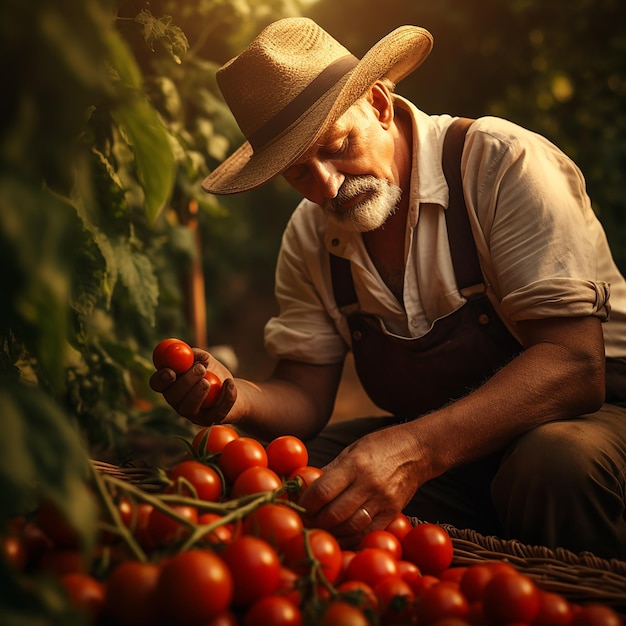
{"type": "Point", "coordinates": [395, 56]}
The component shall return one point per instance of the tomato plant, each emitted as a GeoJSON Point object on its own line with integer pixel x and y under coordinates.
{"type": "Point", "coordinates": [429, 546]}
{"type": "Point", "coordinates": [131, 598]}
{"type": "Point", "coordinates": [173, 353]}
{"type": "Point", "coordinates": [273, 611]}
{"type": "Point", "coordinates": [212, 439]}
{"type": "Point", "coordinates": [239, 455]}
{"type": "Point", "coordinates": [286, 454]}
{"type": "Point", "coordinates": [215, 388]}
{"type": "Point", "coordinates": [255, 480]}
{"type": "Point", "coordinates": [204, 479]}
{"type": "Point", "coordinates": [194, 587]}
{"type": "Point", "coordinates": [255, 568]}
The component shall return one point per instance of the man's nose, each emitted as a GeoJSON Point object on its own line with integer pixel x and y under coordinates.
{"type": "Point", "coordinates": [328, 179]}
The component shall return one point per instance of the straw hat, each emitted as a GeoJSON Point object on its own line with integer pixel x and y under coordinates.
{"type": "Point", "coordinates": [293, 82]}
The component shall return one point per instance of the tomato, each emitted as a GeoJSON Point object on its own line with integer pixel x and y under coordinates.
{"type": "Point", "coordinates": [255, 568]}
{"type": "Point", "coordinates": [139, 523]}
{"type": "Point", "coordinates": [163, 529]}
{"type": "Point", "coordinates": [239, 455]}
{"type": "Point", "coordinates": [212, 439]}
{"type": "Point", "coordinates": [596, 615]}
{"type": "Point", "coordinates": [273, 611]}
{"type": "Point", "coordinates": [286, 454]}
{"type": "Point", "coordinates": [14, 551]}
{"type": "Point", "coordinates": [476, 577]}
{"type": "Point", "coordinates": [306, 474]}
{"type": "Point", "coordinates": [360, 594]}
{"type": "Point", "coordinates": [255, 480]}
{"type": "Point", "coordinates": [510, 598]}
{"type": "Point", "coordinates": [85, 593]}
{"type": "Point", "coordinates": [341, 613]}
{"type": "Point", "coordinates": [554, 610]}
{"type": "Point", "coordinates": [429, 546]}
{"type": "Point", "coordinates": [382, 539]}
{"type": "Point", "coordinates": [215, 388]}
{"type": "Point", "coordinates": [204, 479]}
{"type": "Point", "coordinates": [55, 526]}
{"type": "Point", "coordinates": [323, 547]}
{"type": "Point", "coordinates": [194, 587]}
{"type": "Point", "coordinates": [60, 561]}
{"type": "Point", "coordinates": [441, 601]}
{"type": "Point", "coordinates": [131, 598]}
{"type": "Point", "coordinates": [346, 557]}
{"type": "Point", "coordinates": [396, 600]}
{"type": "Point", "coordinates": [399, 526]}
{"type": "Point", "coordinates": [275, 523]}
{"type": "Point", "coordinates": [372, 565]}
{"type": "Point", "coordinates": [222, 534]}
{"type": "Point", "coordinates": [173, 353]}
{"type": "Point", "coordinates": [408, 571]}
{"type": "Point", "coordinates": [226, 618]}
{"type": "Point", "coordinates": [453, 574]}
{"type": "Point", "coordinates": [288, 586]}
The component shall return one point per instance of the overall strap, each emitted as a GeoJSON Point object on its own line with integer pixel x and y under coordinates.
{"type": "Point", "coordinates": [462, 247]}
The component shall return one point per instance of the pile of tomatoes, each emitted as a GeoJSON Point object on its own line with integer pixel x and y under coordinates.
{"type": "Point", "coordinates": [225, 543]}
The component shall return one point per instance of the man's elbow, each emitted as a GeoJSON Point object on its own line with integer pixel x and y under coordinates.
{"type": "Point", "coordinates": [593, 384]}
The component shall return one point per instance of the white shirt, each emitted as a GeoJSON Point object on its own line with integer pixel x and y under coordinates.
{"type": "Point", "coordinates": [542, 250]}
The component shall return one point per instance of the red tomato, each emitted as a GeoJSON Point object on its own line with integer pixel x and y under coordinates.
{"type": "Point", "coordinates": [306, 474]}
{"type": "Point", "coordinates": [204, 479]}
{"type": "Point", "coordinates": [360, 594]}
{"type": "Point", "coordinates": [346, 557]}
{"type": "Point", "coordinates": [475, 578]}
{"type": "Point", "coordinates": [399, 526]}
{"type": "Point", "coordinates": [214, 391]}
{"type": "Point", "coordinates": [255, 567]}
{"type": "Point", "coordinates": [212, 439]}
{"type": "Point", "coordinates": [288, 586]}
{"type": "Point", "coordinates": [255, 480]}
{"type": "Point", "coordinates": [163, 529]}
{"type": "Point", "coordinates": [396, 600]}
{"type": "Point", "coordinates": [510, 598]}
{"type": "Point", "coordinates": [341, 613]}
{"type": "Point", "coordinates": [131, 598]}
{"type": "Point", "coordinates": [273, 611]}
{"type": "Point", "coordinates": [382, 539]}
{"type": "Point", "coordinates": [596, 615]}
{"type": "Point", "coordinates": [408, 571]}
{"type": "Point", "coordinates": [14, 551]}
{"type": "Point", "coordinates": [55, 526]}
{"type": "Point", "coordinates": [173, 353]}
{"type": "Point", "coordinates": [85, 592]}
{"type": "Point", "coordinates": [222, 534]}
{"type": "Point", "coordinates": [226, 618]}
{"type": "Point", "coordinates": [286, 454]}
{"type": "Point", "coordinates": [322, 546]}
{"type": "Point", "coordinates": [194, 587]}
{"type": "Point", "coordinates": [138, 523]}
{"type": "Point", "coordinates": [275, 523]}
{"type": "Point", "coordinates": [429, 546]}
{"type": "Point", "coordinates": [371, 565]}
{"type": "Point", "coordinates": [60, 561]}
{"type": "Point", "coordinates": [441, 601]}
{"type": "Point", "coordinates": [239, 455]}
{"type": "Point", "coordinates": [554, 610]}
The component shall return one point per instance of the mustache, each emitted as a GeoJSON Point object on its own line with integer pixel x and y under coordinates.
{"type": "Point", "coordinates": [351, 187]}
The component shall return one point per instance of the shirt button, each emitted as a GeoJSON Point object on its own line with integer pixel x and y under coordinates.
{"type": "Point", "coordinates": [415, 322]}
{"type": "Point", "coordinates": [357, 335]}
{"type": "Point", "coordinates": [334, 243]}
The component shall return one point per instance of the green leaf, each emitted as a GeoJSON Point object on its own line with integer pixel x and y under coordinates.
{"type": "Point", "coordinates": [154, 158]}
{"type": "Point", "coordinates": [137, 274]}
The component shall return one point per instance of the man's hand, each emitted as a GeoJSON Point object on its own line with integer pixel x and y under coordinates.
{"type": "Point", "coordinates": [186, 393]}
{"type": "Point", "coordinates": [367, 485]}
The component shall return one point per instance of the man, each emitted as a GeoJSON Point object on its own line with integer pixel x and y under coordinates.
{"type": "Point", "coordinates": [484, 331]}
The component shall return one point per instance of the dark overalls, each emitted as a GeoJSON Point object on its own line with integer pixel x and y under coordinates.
{"type": "Point", "coordinates": [409, 377]}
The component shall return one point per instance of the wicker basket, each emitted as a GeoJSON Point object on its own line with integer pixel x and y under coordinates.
{"type": "Point", "coordinates": [581, 578]}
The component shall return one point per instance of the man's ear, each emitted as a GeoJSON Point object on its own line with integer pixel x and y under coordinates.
{"type": "Point", "coordinates": [382, 100]}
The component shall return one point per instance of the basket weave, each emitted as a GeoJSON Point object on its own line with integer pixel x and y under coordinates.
{"type": "Point", "coordinates": [581, 578]}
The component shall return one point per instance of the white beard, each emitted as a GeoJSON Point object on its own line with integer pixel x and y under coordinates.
{"type": "Point", "coordinates": [370, 213]}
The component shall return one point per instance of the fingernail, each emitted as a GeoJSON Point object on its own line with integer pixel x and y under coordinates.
{"type": "Point", "coordinates": [199, 369]}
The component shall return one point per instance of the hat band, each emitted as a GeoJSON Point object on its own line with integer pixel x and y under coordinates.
{"type": "Point", "coordinates": [328, 77]}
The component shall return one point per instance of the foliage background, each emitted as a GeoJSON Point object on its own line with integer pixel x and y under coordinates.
{"type": "Point", "coordinates": [110, 117]}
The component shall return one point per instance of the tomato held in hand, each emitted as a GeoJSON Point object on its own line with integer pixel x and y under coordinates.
{"type": "Point", "coordinates": [173, 353]}
{"type": "Point", "coordinates": [215, 389]}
